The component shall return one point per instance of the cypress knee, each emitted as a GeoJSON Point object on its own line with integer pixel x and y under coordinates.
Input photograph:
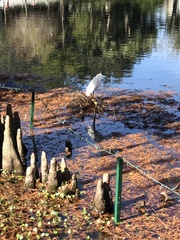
{"type": "Point", "coordinates": [20, 147]}
{"type": "Point", "coordinates": [44, 168]}
{"type": "Point", "coordinates": [107, 193]}
{"type": "Point", "coordinates": [98, 202]}
{"type": "Point", "coordinates": [52, 177]}
{"type": "Point", "coordinates": [10, 159]}
{"type": "Point", "coordinates": [34, 166]}
{"type": "Point", "coordinates": [30, 181]}
{"type": "Point", "coordinates": [66, 176]}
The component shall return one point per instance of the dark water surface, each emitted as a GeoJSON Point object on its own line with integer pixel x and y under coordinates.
{"type": "Point", "coordinates": [136, 44]}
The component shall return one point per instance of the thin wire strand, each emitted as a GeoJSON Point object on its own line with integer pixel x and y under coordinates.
{"type": "Point", "coordinates": [12, 88]}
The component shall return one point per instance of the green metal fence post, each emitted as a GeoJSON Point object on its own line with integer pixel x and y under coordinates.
{"type": "Point", "coordinates": [117, 207]}
{"type": "Point", "coordinates": [32, 109]}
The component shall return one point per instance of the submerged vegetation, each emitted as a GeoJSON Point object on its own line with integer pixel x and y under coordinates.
{"type": "Point", "coordinates": [80, 39]}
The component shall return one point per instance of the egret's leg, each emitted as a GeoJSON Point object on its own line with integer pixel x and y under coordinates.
{"type": "Point", "coordinates": [92, 94]}
{"type": "Point", "coordinates": [94, 119]}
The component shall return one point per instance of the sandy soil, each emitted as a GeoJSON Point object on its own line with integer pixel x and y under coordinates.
{"type": "Point", "coordinates": [141, 127]}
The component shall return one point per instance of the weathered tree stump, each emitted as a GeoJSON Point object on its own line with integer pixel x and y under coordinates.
{"type": "Point", "coordinates": [44, 168]}
{"type": "Point", "coordinates": [10, 158]}
{"type": "Point", "coordinates": [102, 202]}
{"type": "Point", "coordinates": [30, 181]}
{"type": "Point", "coordinates": [52, 176]}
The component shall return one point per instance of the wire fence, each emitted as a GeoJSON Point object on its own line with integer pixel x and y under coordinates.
{"type": "Point", "coordinates": [109, 151]}
{"type": "Point", "coordinates": [69, 129]}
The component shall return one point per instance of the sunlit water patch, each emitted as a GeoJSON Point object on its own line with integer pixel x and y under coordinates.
{"type": "Point", "coordinates": [135, 46]}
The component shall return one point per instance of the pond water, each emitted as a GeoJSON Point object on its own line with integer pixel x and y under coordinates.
{"type": "Point", "coordinates": [65, 43]}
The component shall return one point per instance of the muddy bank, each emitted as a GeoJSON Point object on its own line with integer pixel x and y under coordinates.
{"type": "Point", "coordinates": [142, 127]}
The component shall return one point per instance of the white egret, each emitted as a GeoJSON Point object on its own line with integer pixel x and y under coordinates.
{"type": "Point", "coordinates": [94, 84]}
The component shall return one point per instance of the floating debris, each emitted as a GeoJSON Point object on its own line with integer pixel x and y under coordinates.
{"type": "Point", "coordinates": [68, 148]}
{"type": "Point", "coordinates": [140, 206]}
{"type": "Point", "coordinates": [166, 200]}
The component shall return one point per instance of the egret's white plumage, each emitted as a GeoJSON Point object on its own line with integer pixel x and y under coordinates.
{"type": "Point", "coordinates": [94, 84]}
